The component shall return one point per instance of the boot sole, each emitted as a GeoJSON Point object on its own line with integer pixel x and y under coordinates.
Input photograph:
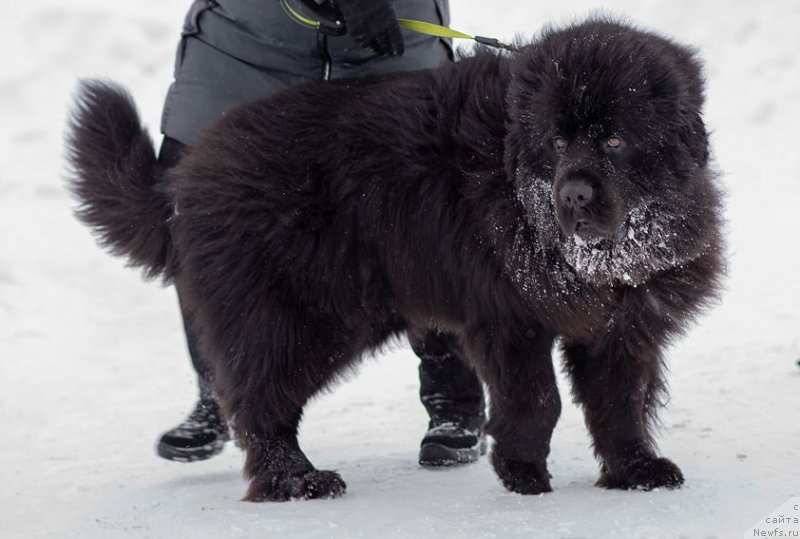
{"type": "Point", "coordinates": [433, 455]}
{"type": "Point", "coordinates": [190, 454]}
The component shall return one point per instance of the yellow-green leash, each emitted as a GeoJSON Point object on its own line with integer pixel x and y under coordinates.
{"type": "Point", "coordinates": [420, 27]}
{"type": "Point", "coordinates": [437, 30]}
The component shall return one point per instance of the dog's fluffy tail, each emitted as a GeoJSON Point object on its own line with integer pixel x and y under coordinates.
{"type": "Point", "coordinates": [116, 178]}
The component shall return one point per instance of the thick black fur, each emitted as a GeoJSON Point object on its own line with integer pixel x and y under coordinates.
{"type": "Point", "coordinates": [116, 178]}
{"type": "Point", "coordinates": [307, 228]}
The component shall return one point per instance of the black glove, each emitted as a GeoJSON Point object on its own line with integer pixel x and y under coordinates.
{"type": "Point", "coordinates": [373, 24]}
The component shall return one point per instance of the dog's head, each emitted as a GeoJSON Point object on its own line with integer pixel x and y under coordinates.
{"type": "Point", "coordinates": [609, 151]}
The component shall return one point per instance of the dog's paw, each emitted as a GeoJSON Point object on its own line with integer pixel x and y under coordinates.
{"type": "Point", "coordinates": [645, 474]}
{"type": "Point", "coordinates": [522, 477]}
{"type": "Point", "coordinates": [306, 486]}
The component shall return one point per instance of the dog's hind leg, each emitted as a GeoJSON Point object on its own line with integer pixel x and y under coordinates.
{"type": "Point", "coordinates": [524, 404]}
{"type": "Point", "coordinates": [275, 359]}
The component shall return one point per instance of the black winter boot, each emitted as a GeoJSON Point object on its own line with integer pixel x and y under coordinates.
{"type": "Point", "coordinates": [453, 397]}
{"type": "Point", "coordinates": [201, 435]}
{"type": "Point", "coordinates": [448, 443]}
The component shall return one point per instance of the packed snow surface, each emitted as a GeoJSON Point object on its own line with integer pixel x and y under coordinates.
{"type": "Point", "coordinates": [93, 367]}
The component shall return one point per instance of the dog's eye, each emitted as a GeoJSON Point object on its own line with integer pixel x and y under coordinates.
{"type": "Point", "coordinates": [560, 144]}
{"type": "Point", "coordinates": [614, 142]}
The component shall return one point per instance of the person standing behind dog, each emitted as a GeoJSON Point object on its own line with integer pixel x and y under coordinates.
{"type": "Point", "coordinates": [236, 50]}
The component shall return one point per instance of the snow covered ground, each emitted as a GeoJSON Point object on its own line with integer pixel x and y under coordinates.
{"type": "Point", "coordinates": [79, 413]}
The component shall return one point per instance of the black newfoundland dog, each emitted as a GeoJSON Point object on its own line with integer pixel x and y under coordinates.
{"type": "Point", "coordinates": [560, 192]}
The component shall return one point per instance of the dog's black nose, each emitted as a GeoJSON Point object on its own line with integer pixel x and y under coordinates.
{"type": "Point", "coordinates": [576, 193]}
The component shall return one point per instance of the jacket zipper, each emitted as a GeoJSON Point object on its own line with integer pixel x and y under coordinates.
{"type": "Point", "coordinates": [322, 44]}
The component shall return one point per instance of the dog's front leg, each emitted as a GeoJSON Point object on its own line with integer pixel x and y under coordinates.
{"type": "Point", "coordinates": [524, 405]}
{"type": "Point", "coordinates": [619, 387]}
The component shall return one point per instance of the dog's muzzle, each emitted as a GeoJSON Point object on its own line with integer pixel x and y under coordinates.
{"type": "Point", "coordinates": [580, 208]}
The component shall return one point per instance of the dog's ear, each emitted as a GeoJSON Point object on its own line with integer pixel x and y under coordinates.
{"type": "Point", "coordinates": [692, 134]}
{"type": "Point", "coordinates": [527, 107]}
{"type": "Point", "coordinates": [530, 68]}
{"type": "Point", "coordinates": [691, 129]}
{"type": "Point", "coordinates": [681, 87]}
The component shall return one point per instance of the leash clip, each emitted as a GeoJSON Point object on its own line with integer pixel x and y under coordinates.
{"type": "Point", "coordinates": [322, 16]}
